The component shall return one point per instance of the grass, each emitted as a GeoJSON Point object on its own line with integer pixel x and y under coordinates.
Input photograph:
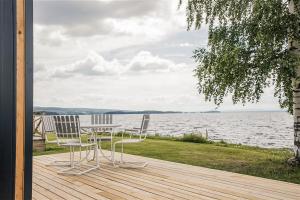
{"type": "Point", "coordinates": [193, 150]}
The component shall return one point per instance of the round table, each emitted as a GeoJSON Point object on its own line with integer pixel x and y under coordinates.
{"type": "Point", "coordinates": [95, 128]}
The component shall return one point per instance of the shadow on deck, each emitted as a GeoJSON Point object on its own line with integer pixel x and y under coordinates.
{"type": "Point", "coordinates": [159, 180]}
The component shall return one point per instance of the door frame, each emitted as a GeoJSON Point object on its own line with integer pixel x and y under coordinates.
{"type": "Point", "coordinates": [16, 98]}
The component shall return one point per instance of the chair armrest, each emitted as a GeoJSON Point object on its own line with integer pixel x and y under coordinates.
{"type": "Point", "coordinates": [85, 130]}
{"type": "Point", "coordinates": [151, 130]}
{"type": "Point", "coordinates": [132, 130]}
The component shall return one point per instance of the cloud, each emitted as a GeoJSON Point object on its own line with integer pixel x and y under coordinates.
{"type": "Point", "coordinates": [89, 29]}
{"type": "Point", "coordinates": [186, 44]}
{"type": "Point", "coordinates": [96, 65]}
{"type": "Point", "coordinates": [127, 54]}
{"type": "Point", "coordinates": [40, 71]}
{"type": "Point", "coordinates": [49, 35]}
{"type": "Point", "coordinates": [93, 65]}
{"type": "Point", "coordinates": [39, 68]}
{"type": "Point", "coordinates": [80, 12]}
{"type": "Point", "coordinates": [145, 62]}
{"type": "Point", "coordinates": [88, 18]}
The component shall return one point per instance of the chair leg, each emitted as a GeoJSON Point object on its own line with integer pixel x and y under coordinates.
{"type": "Point", "coordinates": [97, 155]}
{"type": "Point", "coordinates": [72, 160]}
{"type": "Point", "coordinates": [61, 162]}
{"type": "Point", "coordinates": [113, 155]}
{"type": "Point", "coordinates": [111, 141]}
{"type": "Point", "coordinates": [79, 153]}
{"type": "Point", "coordinates": [125, 164]}
{"type": "Point", "coordinates": [86, 153]}
{"type": "Point", "coordinates": [122, 151]}
{"type": "Point", "coordinates": [71, 157]}
{"type": "Point", "coordinates": [94, 154]}
{"type": "Point", "coordinates": [73, 166]}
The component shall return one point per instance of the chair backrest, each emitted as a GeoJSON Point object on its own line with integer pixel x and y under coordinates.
{"type": "Point", "coordinates": [67, 128]}
{"type": "Point", "coordinates": [144, 126]}
{"type": "Point", "coordinates": [101, 119]}
{"type": "Point", "coordinates": [48, 124]}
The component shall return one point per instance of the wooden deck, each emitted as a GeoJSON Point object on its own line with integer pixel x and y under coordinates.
{"type": "Point", "coordinates": [159, 180]}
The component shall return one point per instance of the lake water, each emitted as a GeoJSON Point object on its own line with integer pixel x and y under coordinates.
{"type": "Point", "coordinates": [264, 129]}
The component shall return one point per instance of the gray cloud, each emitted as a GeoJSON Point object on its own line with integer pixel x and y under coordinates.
{"type": "Point", "coordinates": [48, 35]}
{"type": "Point", "coordinates": [145, 61]}
{"type": "Point", "coordinates": [39, 67]}
{"type": "Point", "coordinates": [87, 18]}
{"type": "Point", "coordinates": [92, 65]}
{"type": "Point", "coordinates": [96, 65]}
{"type": "Point", "coordinates": [96, 28]}
{"type": "Point", "coordinates": [80, 12]}
{"type": "Point", "coordinates": [178, 47]}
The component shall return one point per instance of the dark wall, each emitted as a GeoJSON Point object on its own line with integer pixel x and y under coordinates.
{"type": "Point", "coordinates": [7, 98]}
{"type": "Point", "coordinates": [29, 98]}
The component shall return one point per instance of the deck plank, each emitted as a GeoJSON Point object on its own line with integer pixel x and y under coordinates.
{"type": "Point", "coordinates": [159, 180]}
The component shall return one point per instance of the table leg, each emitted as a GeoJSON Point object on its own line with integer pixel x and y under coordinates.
{"type": "Point", "coordinates": [111, 143]}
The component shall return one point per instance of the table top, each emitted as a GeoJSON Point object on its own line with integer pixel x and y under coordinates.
{"type": "Point", "coordinates": [100, 126]}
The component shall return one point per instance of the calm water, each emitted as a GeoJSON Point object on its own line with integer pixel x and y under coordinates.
{"type": "Point", "coordinates": [264, 129]}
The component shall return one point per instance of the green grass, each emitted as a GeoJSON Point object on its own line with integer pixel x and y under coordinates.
{"type": "Point", "coordinates": [268, 163]}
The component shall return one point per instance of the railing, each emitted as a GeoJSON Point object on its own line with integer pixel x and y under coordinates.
{"type": "Point", "coordinates": [37, 126]}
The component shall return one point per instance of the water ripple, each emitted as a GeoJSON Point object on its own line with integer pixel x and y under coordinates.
{"type": "Point", "coordinates": [264, 129]}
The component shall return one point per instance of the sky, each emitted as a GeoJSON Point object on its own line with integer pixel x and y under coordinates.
{"type": "Point", "coordinates": [120, 54]}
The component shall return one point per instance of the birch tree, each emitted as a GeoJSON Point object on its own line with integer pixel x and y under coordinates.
{"type": "Point", "coordinates": [252, 45]}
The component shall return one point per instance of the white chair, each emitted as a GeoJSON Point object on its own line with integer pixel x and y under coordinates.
{"type": "Point", "coordinates": [141, 134]}
{"type": "Point", "coordinates": [102, 119]}
{"type": "Point", "coordinates": [67, 129]}
{"type": "Point", "coordinates": [48, 127]}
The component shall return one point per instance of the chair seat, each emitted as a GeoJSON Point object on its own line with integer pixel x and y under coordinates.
{"type": "Point", "coordinates": [126, 141]}
{"type": "Point", "coordinates": [76, 144]}
{"type": "Point", "coordinates": [100, 138]}
{"type": "Point", "coordinates": [52, 142]}
{"type": "Point", "coordinates": [132, 129]}
{"type": "Point", "coordinates": [64, 141]}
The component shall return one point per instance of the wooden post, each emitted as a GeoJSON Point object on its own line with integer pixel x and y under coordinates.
{"type": "Point", "coordinates": [20, 99]}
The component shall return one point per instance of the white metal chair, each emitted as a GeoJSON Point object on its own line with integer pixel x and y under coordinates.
{"type": "Point", "coordinates": [141, 134]}
{"type": "Point", "coordinates": [102, 119]}
{"type": "Point", "coordinates": [48, 127]}
{"type": "Point", "coordinates": [67, 129]}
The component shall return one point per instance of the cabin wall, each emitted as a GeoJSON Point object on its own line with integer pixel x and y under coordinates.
{"type": "Point", "coordinates": [9, 85]}
{"type": "Point", "coordinates": [28, 98]}
{"type": "Point", "coordinates": [7, 99]}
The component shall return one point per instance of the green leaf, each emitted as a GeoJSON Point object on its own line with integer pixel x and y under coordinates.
{"type": "Point", "coordinates": [247, 49]}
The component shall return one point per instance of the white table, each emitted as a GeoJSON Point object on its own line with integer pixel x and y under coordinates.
{"type": "Point", "coordinates": [95, 129]}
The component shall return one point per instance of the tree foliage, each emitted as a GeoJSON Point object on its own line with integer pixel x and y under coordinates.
{"type": "Point", "coordinates": [247, 49]}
